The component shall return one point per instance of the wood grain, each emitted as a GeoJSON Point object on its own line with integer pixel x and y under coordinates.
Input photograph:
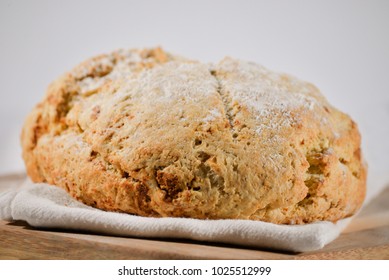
{"type": "Point", "coordinates": [367, 237]}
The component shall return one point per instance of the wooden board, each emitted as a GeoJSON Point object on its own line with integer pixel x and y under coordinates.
{"type": "Point", "coordinates": [367, 237]}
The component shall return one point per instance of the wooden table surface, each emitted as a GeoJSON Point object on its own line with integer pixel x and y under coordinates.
{"type": "Point", "coordinates": [367, 237]}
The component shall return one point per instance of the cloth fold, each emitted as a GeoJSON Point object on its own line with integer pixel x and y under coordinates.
{"type": "Point", "coordinates": [45, 206]}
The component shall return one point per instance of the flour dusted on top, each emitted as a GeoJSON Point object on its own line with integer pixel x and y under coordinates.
{"type": "Point", "coordinates": [174, 81]}
{"type": "Point", "coordinates": [121, 64]}
{"type": "Point", "coordinates": [276, 100]}
{"type": "Point", "coordinates": [271, 97]}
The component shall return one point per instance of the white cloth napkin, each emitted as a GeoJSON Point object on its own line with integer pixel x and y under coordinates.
{"type": "Point", "coordinates": [42, 205]}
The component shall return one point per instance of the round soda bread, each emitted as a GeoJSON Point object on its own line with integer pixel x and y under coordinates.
{"type": "Point", "coordinates": [153, 134]}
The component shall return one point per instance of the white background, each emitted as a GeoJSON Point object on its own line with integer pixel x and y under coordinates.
{"type": "Point", "coordinates": [108, 269]}
{"type": "Point", "coordinates": [341, 46]}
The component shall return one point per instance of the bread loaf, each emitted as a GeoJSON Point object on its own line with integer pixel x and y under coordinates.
{"type": "Point", "coordinates": [149, 133]}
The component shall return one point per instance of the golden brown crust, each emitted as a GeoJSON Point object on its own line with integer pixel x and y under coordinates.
{"type": "Point", "coordinates": [149, 133]}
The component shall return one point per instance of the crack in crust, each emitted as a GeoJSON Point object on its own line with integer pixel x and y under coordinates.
{"type": "Point", "coordinates": [226, 100]}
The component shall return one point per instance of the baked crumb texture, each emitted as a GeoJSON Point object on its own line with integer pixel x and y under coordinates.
{"type": "Point", "coordinates": [148, 133]}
